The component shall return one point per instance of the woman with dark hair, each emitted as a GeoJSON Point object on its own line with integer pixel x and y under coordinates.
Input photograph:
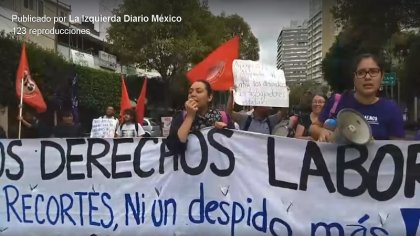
{"type": "Point", "coordinates": [383, 115]}
{"type": "Point", "coordinates": [305, 121]}
{"type": "Point", "coordinates": [130, 128]}
{"type": "Point", "coordinates": [197, 115]}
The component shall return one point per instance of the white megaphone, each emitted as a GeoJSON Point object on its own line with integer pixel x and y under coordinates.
{"type": "Point", "coordinates": [352, 128]}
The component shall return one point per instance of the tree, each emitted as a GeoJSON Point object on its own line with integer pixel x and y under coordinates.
{"type": "Point", "coordinates": [165, 47]}
{"type": "Point", "coordinates": [297, 90]}
{"type": "Point", "coordinates": [172, 48]}
{"type": "Point", "coordinates": [337, 64]}
{"type": "Point", "coordinates": [411, 75]}
{"type": "Point", "coordinates": [368, 26]}
{"type": "Point", "coordinates": [386, 13]}
{"type": "Point", "coordinates": [236, 25]}
{"type": "Point", "coordinates": [374, 21]}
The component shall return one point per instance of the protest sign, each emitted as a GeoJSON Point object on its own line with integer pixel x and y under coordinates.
{"type": "Point", "coordinates": [227, 183]}
{"type": "Point", "coordinates": [257, 84]}
{"type": "Point", "coordinates": [166, 121]}
{"type": "Point", "coordinates": [103, 128]}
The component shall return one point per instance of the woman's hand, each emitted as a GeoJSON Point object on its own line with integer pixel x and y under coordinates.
{"type": "Point", "coordinates": [191, 106]}
{"type": "Point", "coordinates": [325, 135]}
{"type": "Point", "coordinates": [220, 125]}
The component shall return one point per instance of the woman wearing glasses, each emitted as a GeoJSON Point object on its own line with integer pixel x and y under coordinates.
{"type": "Point", "coordinates": [305, 121]}
{"type": "Point", "coordinates": [383, 115]}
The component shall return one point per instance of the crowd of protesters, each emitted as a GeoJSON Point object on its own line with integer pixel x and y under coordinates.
{"type": "Point", "coordinates": [305, 121]}
{"type": "Point", "coordinates": [34, 127]}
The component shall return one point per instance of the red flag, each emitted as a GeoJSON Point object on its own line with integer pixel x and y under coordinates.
{"type": "Point", "coordinates": [125, 100]}
{"type": "Point", "coordinates": [31, 93]}
{"type": "Point", "coordinates": [216, 68]}
{"type": "Point", "coordinates": [140, 103]}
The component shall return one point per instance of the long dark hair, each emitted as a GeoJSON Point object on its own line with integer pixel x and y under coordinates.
{"type": "Point", "coordinates": [132, 113]}
{"type": "Point", "coordinates": [207, 86]}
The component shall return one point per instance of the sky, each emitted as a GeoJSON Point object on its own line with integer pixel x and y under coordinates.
{"type": "Point", "coordinates": [265, 17]}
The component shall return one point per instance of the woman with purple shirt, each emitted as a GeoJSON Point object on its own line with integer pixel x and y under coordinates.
{"type": "Point", "coordinates": [383, 115]}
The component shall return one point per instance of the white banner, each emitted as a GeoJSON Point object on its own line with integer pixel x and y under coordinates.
{"type": "Point", "coordinates": [227, 183]}
{"type": "Point", "coordinates": [257, 84]}
{"type": "Point", "coordinates": [108, 60]}
{"type": "Point", "coordinates": [82, 58]}
{"type": "Point", "coordinates": [103, 128]}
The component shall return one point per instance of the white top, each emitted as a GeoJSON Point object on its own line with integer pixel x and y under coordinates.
{"type": "Point", "coordinates": [128, 130]}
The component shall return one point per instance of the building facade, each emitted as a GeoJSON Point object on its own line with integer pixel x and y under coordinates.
{"type": "Point", "coordinates": [321, 35]}
{"type": "Point", "coordinates": [18, 8]}
{"type": "Point", "coordinates": [85, 49]}
{"type": "Point", "coordinates": [37, 8]}
{"type": "Point", "coordinates": [292, 52]}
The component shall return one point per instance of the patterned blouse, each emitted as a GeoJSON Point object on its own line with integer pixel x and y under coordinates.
{"type": "Point", "coordinates": [200, 122]}
{"type": "Point", "coordinates": [208, 120]}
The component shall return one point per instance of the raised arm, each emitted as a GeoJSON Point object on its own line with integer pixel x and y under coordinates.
{"type": "Point", "coordinates": [24, 122]}
{"type": "Point", "coordinates": [184, 129]}
{"type": "Point", "coordinates": [229, 107]}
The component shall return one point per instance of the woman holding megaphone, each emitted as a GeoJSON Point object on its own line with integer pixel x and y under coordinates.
{"type": "Point", "coordinates": [383, 115]}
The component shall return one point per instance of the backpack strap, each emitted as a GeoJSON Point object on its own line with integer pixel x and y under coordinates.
{"type": "Point", "coordinates": [337, 98]}
{"type": "Point", "coordinates": [248, 122]}
{"type": "Point", "coordinates": [225, 118]}
{"type": "Point", "coordinates": [136, 125]}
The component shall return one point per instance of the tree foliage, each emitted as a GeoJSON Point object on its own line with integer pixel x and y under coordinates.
{"type": "Point", "coordinates": [235, 25]}
{"type": "Point", "coordinates": [53, 75]}
{"type": "Point", "coordinates": [338, 63]}
{"type": "Point", "coordinates": [47, 69]}
{"type": "Point", "coordinates": [411, 78]}
{"type": "Point", "coordinates": [297, 90]}
{"type": "Point", "coordinates": [171, 47]}
{"type": "Point", "coordinates": [362, 13]}
{"type": "Point", "coordinates": [375, 21]}
{"type": "Point", "coordinates": [372, 26]}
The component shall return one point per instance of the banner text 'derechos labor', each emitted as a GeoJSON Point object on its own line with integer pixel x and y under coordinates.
{"type": "Point", "coordinates": [108, 185]}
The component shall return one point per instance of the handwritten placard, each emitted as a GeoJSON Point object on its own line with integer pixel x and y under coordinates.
{"type": "Point", "coordinates": [103, 128]}
{"type": "Point", "coordinates": [257, 84]}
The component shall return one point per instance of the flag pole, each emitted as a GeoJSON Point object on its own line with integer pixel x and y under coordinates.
{"type": "Point", "coordinates": [20, 108]}
{"type": "Point", "coordinates": [25, 38]}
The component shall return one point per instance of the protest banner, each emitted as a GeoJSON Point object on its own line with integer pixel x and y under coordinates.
{"type": "Point", "coordinates": [257, 84]}
{"type": "Point", "coordinates": [227, 183]}
{"type": "Point", "coordinates": [103, 128]}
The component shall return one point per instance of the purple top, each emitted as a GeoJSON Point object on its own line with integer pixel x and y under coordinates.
{"type": "Point", "coordinates": [384, 116]}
